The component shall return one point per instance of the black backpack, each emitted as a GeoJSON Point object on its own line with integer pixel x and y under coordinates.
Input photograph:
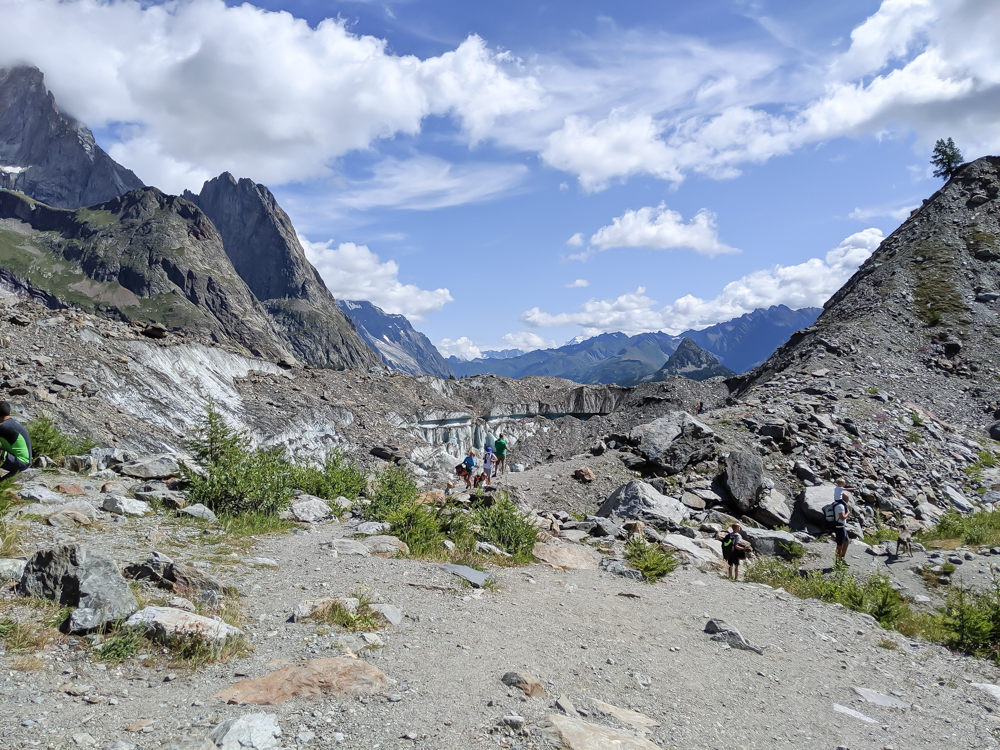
{"type": "Point", "coordinates": [729, 545]}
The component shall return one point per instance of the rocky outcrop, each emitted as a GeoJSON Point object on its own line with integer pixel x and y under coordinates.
{"type": "Point", "coordinates": [261, 242]}
{"type": "Point", "coordinates": [639, 501]}
{"type": "Point", "coordinates": [691, 361]}
{"type": "Point", "coordinates": [396, 342]}
{"type": "Point", "coordinates": [144, 256]}
{"type": "Point", "coordinates": [75, 577]}
{"type": "Point", "coordinates": [673, 441]}
{"type": "Point", "coordinates": [48, 155]}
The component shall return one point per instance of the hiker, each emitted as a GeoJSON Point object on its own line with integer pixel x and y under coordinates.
{"type": "Point", "coordinates": [500, 447]}
{"type": "Point", "coordinates": [466, 468]}
{"type": "Point", "coordinates": [734, 549]}
{"type": "Point", "coordinates": [488, 460]}
{"type": "Point", "coordinates": [700, 409]}
{"type": "Point", "coordinates": [15, 445]}
{"type": "Point", "coordinates": [840, 515]}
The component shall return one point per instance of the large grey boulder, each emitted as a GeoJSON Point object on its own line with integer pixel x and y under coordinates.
{"type": "Point", "coordinates": [247, 732]}
{"type": "Point", "coordinates": [155, 467]}
{"type": "Point", "coordinates": [638, 500]}
{"type": "Point", "coordinates": [773, 510]}
{"type": "Point", "coordinates": [166, 623]}
{"type": "Point", "coordinates": [673, 441]}
{"type": "Point", "coordinates": [744, 478]}
{"type": "Point", "coordinates": [994, 430]}
{"type": "Point", "coordinates": [11, 569]}
{"type": "Point", "coordinates": [124, 506]}
{"type": "Point", "coordinates": [108, 457]}
{"type": "Point", "coordinates": [957, 499]}
{"type": "Point", "coordinates": [74, 577]}
{"type": "Point", "coordinates": [768, 543]}
{"type": "Point", "coordinates": [812, 500]}
{"type": "Point", "coordinates": [39, 493]}
{"type": "Point", "coordinates": [311, 510]}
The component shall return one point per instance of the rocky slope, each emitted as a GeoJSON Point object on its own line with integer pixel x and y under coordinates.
{"type": "Point", "coordinates": [46, 154]}
{"type": "Point", "coordinates": [144, 257]}
{"type": "Point", "coordinates": [689, 361]}
{"type": "Point", "coordinates": [919, 318]}
{"type": "Point", "coordinates": [397, 343]}
{"type": "Point", "coordinates": [260, 241]}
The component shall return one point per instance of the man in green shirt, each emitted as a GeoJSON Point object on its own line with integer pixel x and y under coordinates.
{"type": "Point", "coordinates": [15, 445]}
{"type": "Point", "coordinates": [500, 448]}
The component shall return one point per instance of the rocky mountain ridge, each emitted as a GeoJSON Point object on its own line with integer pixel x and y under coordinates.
{"type": "Point", "coordinates": [48, 155]}
{"type": "Point", "coordinates": [689, 361]}
{"type": "Point", "coordinates": [398, 344]}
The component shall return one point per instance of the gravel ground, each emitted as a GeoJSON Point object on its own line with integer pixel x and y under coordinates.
{"type": "Point", "coordinates": [575, 630]}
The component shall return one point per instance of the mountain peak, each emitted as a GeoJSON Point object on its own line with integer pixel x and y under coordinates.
{"type": "Point", "coordinates": [48, 155]}
{"type": "Point", "coordinates": [691, 361]}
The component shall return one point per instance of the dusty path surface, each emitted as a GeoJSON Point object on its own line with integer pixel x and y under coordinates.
{"type": "Point", "coordinates": [645, 651]}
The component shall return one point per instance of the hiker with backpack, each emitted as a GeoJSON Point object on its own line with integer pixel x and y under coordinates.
{"type": "Point", "coordinates": [488, 460]}
{"type": "Point", "coordinates": [467, 467]}
{"type": "Point", "coordinates": [837, 513]}
{"type": "Point", "coordinates": [734, 549]}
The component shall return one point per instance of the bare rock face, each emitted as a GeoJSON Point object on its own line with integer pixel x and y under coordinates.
{"type": "Point", "coordinates": [75, 577]}
{"type": "Point", "coordinates": [260, 241]}
{"type": "Point", "coordinates": [673, 441]}
{"type": "Point", "coordinates": [46, 154]}
{"type": "Point", "coordinates": [744, 478]}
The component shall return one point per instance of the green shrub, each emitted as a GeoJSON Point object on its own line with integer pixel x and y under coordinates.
{"type": "Point", "coordinates": [122, 644]}
{"type": "Point", "coordinates": [48, 440]}
{"type": "Point", "coordinates": [418, 526]}
{"type": "Point", "coordinates": [395, 488]}
{"type": "Point", "coordinates": [652, 560]}
{"type": "Point", "coordinates": [338, 477]}
{"type": "Point", "coordinates": [972, 620]}
{"type": "Point", "coordinates": [981, 528]}
{"type": "Point", "coordinates": [214, 442]}
{"type": "Point", "coordinates": [917, 420]}
{"type": "Point", "coordinates": [793, 551]}
{"type": "Point", "coordinates": [506, 527]}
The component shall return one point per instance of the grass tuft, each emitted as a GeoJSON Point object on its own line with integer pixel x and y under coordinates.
{"type": "Point", "coordinates": [505, 526]}
{"type": "Point", "coordinates": [652, 560]}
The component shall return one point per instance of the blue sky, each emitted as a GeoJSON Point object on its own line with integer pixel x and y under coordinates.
{"type": "Point", "coordinates": [520, 174]}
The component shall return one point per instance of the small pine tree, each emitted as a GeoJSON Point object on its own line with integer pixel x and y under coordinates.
{"type": "Point", "coordinates": [946, 159]}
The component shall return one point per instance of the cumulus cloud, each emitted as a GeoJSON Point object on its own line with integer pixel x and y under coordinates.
{"type": "Point", "coordinates": [576, 240]}
{"type": "Point", "coordinates": [527, 341]}
{"type": "Point", "coordinates": [207, 88]}
{"type": "Point", "coordinates": [807, 284]}
{"type": "Point", "coordinates": [578, 284]}
{"type": "Point", "coordinates": [354, 272]}
{"type": "Point", "coordinates": [463, 348]}
{"type": "Point", "coordinates": [662, 229]}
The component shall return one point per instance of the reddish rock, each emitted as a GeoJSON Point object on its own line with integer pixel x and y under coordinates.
{"type": "Point", "coordinates": [70, 489]}
{"type": "Point", "coordinates": [339, 675]}
{"type": "Point", "coordinates": [530, 685]}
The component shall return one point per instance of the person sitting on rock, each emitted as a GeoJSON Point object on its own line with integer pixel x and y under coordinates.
{"type": "Point", "coordinates": [15, 444]}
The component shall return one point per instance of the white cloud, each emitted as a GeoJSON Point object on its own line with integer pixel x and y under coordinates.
{"type": "Point", "coordinates": [898, 213]}
{"type": "Point", "coordinates": [355, 272]}
{"type": "Point", "coordinates": [807, 284]}
{"type": "Point", "coordinates": [578, 284]}
{"type": "Point", "coordinates": [209, 88]}
{"type": "Point", "coordinates": [527, 341]}
{"type": "Point", "coordinates": [425, 182]}
{"type": "Point", "coordinates": [576, 240]}
{"type": "Point", "coordinates": [463, 348]}
{"type": "Point", "coordinates": [662, 229]}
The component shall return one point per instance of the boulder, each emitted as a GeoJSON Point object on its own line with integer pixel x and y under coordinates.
{"type": "Point", "coordinates": [528, 684]}
{"type": "Point", "coordinates": [166, 623]}
{"type": "Point", "coordinates": [385, 545]}
{"type": "Point", "coordinates": [693, 501]}
{"type": "Point", "coordinates": [370, 528]}
{"type": "Point", "coordinates": [477, 578]}
{"type": "Point", "coordinates": [392, 613]}
{"type": "Point", "coordinates": [124, 506]}
{"type": "Point", "coordinates": [606, 527]}
{"type": "Point", "coordinates": [617, 567]}
{"type": "Point", "coordinates": [39, 493]}
{"type": "Point", "coordinates": [247, 732]}
{"type": "Point", "coordinates": [350, 547]}
{"type": "Point", "coordinates": [199, 511]}
{"type": "Point", "coordinates": [311, 608]}
{"type": "Point", "coordinates": [773, 510]}
{"type": "Point", "coordinates": [673, 441]}
{"type": "Point", "coordinates": [569, 556]}
{"type": "Point", "coordinates": [957, 499]}
{"type": "Point", "coordinates": [767, 543]}
{"type": "Point", "coordinates": [725, 633]}
{"type": "Point", "coordinates": [74, 577]}
{"type": "Point", "coordinates": [928, 512]}
{"type": "Point", "coordinates": [700, 554]}
{"type": "Point", "coordinates": [994, 430]}
{"type": "Point", "coordinates": [812, 500]}
{"type": "Point", "coordinates": [584, 474]}
{"type": "Point", "coordinates": [68, 518]}
{"type": "Point", "coordinates": [166, 497]}
{"type": "Point", "coordinates": [638, 501]}
{"type": "Point", "coordinates": [107, 457]}
{"type": "Point", "coordinates": [312, 510]}
{"type": "Point", "coordinates": [11, 569]}
{"type": "Point", "coordinates": [560, 732]}
{"type": "Point", "coordinates": [156, 467]}
{"type": "Point", "coordinates": [744, 478]}
{"type": "Point", "coordinates": [179, 578]}
{"type": "Point", "coordinates": [338, 675]}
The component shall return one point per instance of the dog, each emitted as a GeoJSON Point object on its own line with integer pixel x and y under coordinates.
{"type": "Point", "coordinates": [904, 542]}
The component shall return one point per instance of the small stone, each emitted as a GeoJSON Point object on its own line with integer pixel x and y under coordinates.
{"type": "Point", "coordinates": [514, 721]}
{"type": "Point", "coordinates": [527, 683]}
{"type": "Point", "coordinates": [394, 697]}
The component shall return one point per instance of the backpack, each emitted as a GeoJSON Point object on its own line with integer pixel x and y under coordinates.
{"type": "Point", "coordinates": [830, 512]}
{"type": "Point", "coordinates": [729, 545]}
{"type": "Point", "coordinates": [460, 469]}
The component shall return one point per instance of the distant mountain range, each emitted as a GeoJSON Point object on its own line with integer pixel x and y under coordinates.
{"type": "Point", "coordinates": [399, 345]}
{"type": "Point", "coordinates": [739, 344]}
{"type": "Point", "coordinates": [688, 361]}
